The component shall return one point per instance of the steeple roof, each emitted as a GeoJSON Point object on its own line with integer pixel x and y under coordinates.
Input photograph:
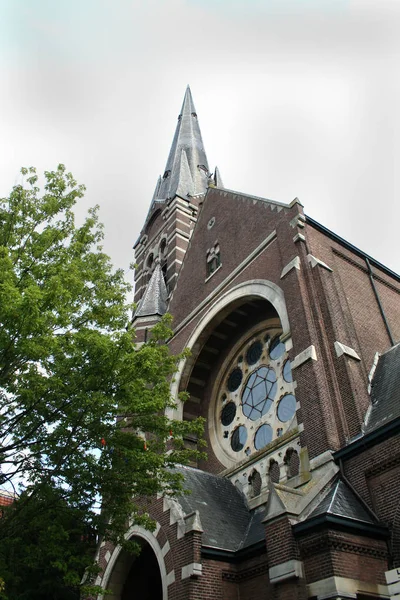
{"type": "Point", "coordinates": [186, 172]}
{"type": "Point", "coordinates": [154, 300]}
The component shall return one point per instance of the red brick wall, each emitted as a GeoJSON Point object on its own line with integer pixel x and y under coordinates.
{"type": "Point", "coordinates": [329, 553]}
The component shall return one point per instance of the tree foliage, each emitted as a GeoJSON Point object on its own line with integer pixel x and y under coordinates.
{"type": "Point", "coordinates": [76, 394]}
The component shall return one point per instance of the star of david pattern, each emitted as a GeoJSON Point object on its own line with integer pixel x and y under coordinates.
{"type": "Point", "coordinates": [259, 393]}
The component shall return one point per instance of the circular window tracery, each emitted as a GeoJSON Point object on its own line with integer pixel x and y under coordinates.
{"type": "Point", "coordinates": [257, 392]}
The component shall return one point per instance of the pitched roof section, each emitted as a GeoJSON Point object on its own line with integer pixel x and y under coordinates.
{"type": "Point", "coordinates": [385, 390]}
{"type": "Point", "coordinates": [340, 508]}
{"type": "Point", "coordinates": [342, 502]}
{"type": "Point", "coordinates": [227, 522]}
{"type": "Point", "coordinates": [154, 300]}
{"type": "Point", "coordinates": [186, 172]}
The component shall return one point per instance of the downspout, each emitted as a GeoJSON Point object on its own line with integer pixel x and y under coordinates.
{"type": "Point", "coordinates": [371, 277]}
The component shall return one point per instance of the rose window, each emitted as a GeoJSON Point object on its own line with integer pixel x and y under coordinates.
{"type": "Point", "coordinates": [255, 402]}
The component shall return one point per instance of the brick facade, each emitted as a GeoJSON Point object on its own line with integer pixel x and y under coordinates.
{"type": "Point", "coordinates": [335, 308]}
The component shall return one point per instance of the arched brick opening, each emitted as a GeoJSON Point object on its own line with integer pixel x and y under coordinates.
{"type": "Point", "coordinates": [144, 576]}
{"type": "Point", "coordinates": [292, 462]}
{"type": "Point", "coordinates": [274, 471]}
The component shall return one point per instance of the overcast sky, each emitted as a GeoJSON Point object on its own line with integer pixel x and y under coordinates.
{"type": "Point", "coordinates": [294, 98]}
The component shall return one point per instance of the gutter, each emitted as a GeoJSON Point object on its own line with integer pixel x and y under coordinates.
{"type": "Point", "coordinates": [360, 527]}
{"type": "Point", "coordinates": [233, 556]}
{"type": "Point", "coordinates": [368, 440]}
{"type": "Point", "coordinates": [349, 246]}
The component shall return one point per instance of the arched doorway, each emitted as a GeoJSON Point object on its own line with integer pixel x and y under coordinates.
{"type": "Point", "coordinates": [142, 577]}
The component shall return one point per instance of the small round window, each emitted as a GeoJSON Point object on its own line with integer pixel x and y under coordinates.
{"type": "Point", "coordinates": [239, 438]}
{"type": "Point", "coordinates": [253, 354]}
{"type": "Point", "coordinates": [228, 413]}
{"type": "Point", "coordinates": [276, 349]}
{"type": "Point", "coordinates": [263, 436]}
{"type": "Point", "coordinates": [287, 372]}
{"type": "Point", "coordinates": [286, 408]}
{"type": "Point", "coordinates": [235, 379]}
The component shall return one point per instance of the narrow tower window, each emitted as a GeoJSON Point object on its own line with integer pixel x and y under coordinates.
{"type": "Point", "coordinates": [213, 259]}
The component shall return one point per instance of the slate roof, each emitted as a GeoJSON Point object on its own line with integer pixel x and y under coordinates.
{"type": "Point", "coordinates": [154, 300]}
{"type": "Point", "coordinates": [227, 522]}
{"type": "Point", "coordinates": [385, 390]}
{"type": "Point", "coordinates": [342, 502]}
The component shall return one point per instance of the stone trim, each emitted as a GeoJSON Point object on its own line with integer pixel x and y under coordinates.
{"type": "Point", "coordinates": [140, 532]}
{"type": "Point", "coordinates": [293, 264]}
{"type": "Point", "coordinates": [307, 354]}
{"type": "Point", "coordinates": [343, 587]}
{"type": "Point", "coordinates": [316, 261]}
{"type": "Point", "coordinates": [192, 570]}
{"type": "Point", "coordinates": [165, 549]}
{"type": "Point", "coordinates": [372, 372]}
{"type": "Point", "coordinates": [342, 349]}
{"type": "Point", "coordinates": [170, 579]}
{"type": "Point", "coordinates": [175, 249]}
{"type": "Point", "coordinates": [193, 522]}
{"type": "Point", "coordinates": [298, 220]}
{"type": "Point", "coordinates": [176, 515]}
{"type": "Point", "coordinates": [299, 237]}
{"type": "Point", "coordinates": [213, 273]}
{"type": "Point", "coordinates": [288, 570]}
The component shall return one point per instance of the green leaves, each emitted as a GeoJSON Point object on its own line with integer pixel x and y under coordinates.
{"type": "Point", "coordinates": [83, 420]}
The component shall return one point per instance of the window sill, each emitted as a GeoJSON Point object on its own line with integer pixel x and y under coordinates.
{"type": "Point", "coordinates": [213, 273]}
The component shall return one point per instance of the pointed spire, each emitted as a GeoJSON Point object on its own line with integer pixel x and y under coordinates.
{"type": "Point", "coordinates": [185, 185]}
{"type": "Point", "coordinates": [154, 300]}
{"type": "Point", "coordinates": [158, 185]}
{"type": "Point", "coordinates": [187, 146]}
{"type": "Point", "coordinates": [217, 178]}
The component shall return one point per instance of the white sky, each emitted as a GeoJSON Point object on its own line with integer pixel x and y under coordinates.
{"type": "Point", "coordinates": [294, 98]}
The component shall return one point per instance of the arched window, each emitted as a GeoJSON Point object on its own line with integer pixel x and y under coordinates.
{"type": "Point", "coordinates": [163, 246]}
{"type": "Point", "coordinates": [274, 471]}
{"type": "Point", "coordinates": [292, 462]}
{"type": "Point", "coordinates": [150, 261]}
{"type": "Point", "coordinates": [255, 484]}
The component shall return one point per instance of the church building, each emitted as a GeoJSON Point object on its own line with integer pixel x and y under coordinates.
{"type": "Point", "coordinates": [295, 366]}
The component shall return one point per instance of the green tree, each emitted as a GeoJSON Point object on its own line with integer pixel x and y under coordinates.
{"type": "Point", "coordinates": [76, 394]}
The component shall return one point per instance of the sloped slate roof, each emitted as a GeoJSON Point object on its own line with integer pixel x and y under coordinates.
{"type": "Point", "coordinates": [182, 173]}
{"type": "Point", "coordinates": [227, 522]}
{"type": "Point", "coordinates": [385, 390]}
{"type": "Point", "coordinates": [154, 300]}
{"type": "Point", "coordinates": [342, 502]}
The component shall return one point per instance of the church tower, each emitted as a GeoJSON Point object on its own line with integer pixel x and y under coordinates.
{"type": "Point", "coordinates": [163, 241]}
{"type": "Point", "coordinates": [294, 338]}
